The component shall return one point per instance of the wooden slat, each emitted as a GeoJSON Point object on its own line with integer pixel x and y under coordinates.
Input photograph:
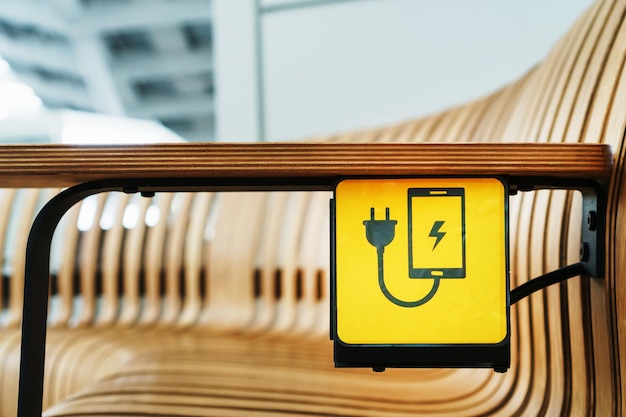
{"type": "Point", "coordinates": [63, 165]}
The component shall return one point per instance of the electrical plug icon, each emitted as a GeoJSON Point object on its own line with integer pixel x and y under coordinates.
{"type": "Point", "coordinates": [380, 233]}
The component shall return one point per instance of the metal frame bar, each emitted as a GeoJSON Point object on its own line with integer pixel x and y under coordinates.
{"type": "Point", "coordinates": [594, 204]}
{"type": "Point", "coordinates": [36, 282]}
{"type": "Point", "coordinates": [37, 272]}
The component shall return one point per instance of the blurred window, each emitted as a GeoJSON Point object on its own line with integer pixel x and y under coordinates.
{"type": "Point", "coordinates": [121, 43]}
{"type": "Point", "coordinates": [20, 31]}
{"type": "Point", "coordinates": [146, 89]}
{"type": "Point", "coordinates": [198, 35]}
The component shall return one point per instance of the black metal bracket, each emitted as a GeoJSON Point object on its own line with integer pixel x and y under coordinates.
{"type": "Point", "coordinates": [592, 239]}
{"type": "Point", "coordinates": [37, 272]}
{"type": "Point", "coordinates": [594, 206]}
{"type": "Point", "coordinates": [593, 232]}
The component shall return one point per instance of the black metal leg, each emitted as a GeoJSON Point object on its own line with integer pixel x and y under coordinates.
{"type": "Point", "coordinates": [36, 283]}
{"type": "Point", "coordinates": [37, 275]}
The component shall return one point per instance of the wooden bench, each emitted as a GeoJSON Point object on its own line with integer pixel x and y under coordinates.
{"type": "Point", "coordinates": [232, 341]}
{"type": "Point", "coordinates": [261, 167]}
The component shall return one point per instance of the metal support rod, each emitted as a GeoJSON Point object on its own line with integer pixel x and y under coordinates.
{"type": "Point", "coordinates": [36, 283]}
{"type": "Point", "coordinates": [37, 272]}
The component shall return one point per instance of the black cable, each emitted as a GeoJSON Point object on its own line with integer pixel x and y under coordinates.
{"type": "Point", "coordinates": [380, 233]}
{"type": "Point", "coordinates": [391, 297]}
{"type": "Point", "coordinates": [546, 280]}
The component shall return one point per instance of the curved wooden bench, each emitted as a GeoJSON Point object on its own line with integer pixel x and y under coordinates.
{"type": "Point", "coordinates": [265, 353]}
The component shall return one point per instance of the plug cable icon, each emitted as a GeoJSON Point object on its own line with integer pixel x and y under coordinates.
{"type": "Point", "coordinates": [380, 233]}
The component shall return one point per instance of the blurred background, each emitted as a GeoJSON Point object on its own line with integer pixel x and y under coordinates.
{"type": "Point", "coordinates": [104, 71]}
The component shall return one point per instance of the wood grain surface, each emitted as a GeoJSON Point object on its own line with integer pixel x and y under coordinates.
{"type": "Point", "coordinates": [64, 165]}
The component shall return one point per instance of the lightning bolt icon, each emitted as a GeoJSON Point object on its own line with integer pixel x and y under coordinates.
{"type": "Point", "coordinates": [434, 232]}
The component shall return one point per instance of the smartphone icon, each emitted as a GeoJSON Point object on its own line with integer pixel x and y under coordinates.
{"type": "Point", "coordinates": [436, 232]}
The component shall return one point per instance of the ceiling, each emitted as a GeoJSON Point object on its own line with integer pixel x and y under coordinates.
{"type": "Point", "coordinates": [147, 59]}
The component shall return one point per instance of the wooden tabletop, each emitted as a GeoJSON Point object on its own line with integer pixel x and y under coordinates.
{"type": "Point", "coordinates": [65, 165]}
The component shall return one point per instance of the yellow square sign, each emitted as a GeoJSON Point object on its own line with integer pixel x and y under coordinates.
{"type": "Point", "coordinates": [421, 262]}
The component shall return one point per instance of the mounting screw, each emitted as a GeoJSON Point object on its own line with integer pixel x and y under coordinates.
{"type": "Point", "coordinates": [584, 252]}
{"type": "Point", "coordinates": [592, 220]}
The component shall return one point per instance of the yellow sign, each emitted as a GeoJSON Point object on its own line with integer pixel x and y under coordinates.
{"type": "Point", "coordinates": [421, 261]}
